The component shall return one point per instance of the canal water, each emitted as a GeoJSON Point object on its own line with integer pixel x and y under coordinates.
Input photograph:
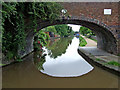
{"type": "Point", "coordinates": [63, 64]}
{"type": "Point", "coordinates": [57, 65]}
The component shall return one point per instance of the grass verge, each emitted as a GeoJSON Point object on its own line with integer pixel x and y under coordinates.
{"type": "Point", "coordinates": [82, 41]}
{"type": "Point", "coordinates": [113, 63]}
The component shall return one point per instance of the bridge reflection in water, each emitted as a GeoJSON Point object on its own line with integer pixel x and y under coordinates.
{"type": "Point", "coordinates": [26, 75]}
{"type": "Point", "coordinates": [67, 63]}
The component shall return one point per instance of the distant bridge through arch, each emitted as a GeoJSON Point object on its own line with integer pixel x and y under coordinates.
{"type": "Point", "coordinates": [90, 15]}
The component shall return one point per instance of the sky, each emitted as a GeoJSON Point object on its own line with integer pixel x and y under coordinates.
{"type": "Point", "coordinates": [75, 27]}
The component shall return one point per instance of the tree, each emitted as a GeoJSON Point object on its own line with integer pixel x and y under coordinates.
{"type": "Point", "coordinates": [64, 30]}
{"type": "Point", "coordinates": [86, 31]}
{"type": "Point", "coordinates": [13, 22]}
{"type": "Point", "coordinates": [50, 29]}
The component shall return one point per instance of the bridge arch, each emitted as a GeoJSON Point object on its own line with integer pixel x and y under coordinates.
{"type": "Point", "coordinates": [106, 40]}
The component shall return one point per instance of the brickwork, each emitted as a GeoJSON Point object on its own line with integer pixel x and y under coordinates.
{"type": "Point", "coordinates": [91, 15]}
{"type": "Point", "coordinates": [94, 12]}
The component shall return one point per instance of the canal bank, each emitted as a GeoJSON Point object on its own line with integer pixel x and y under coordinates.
{"type": "Point", "coordinates": [6, 62]}
{"type": "Point", "coordinates": [92, 54]}
{"type": "Point", "coordinates": [27, 74]}
{"type": "Point", "coordinates": [99, 57]}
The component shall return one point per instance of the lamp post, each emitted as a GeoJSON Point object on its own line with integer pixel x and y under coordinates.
{"type": "Point", "coordinates": [64, 11]}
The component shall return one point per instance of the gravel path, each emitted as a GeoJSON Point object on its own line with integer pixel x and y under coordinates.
{"type": "Point", "coordinates": [90, 42]}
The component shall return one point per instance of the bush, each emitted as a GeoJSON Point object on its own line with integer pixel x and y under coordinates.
{"type": "Point", "coordinates": [86, 31]}
{"type": "Point", "coordinates": [14, 16]}
{"type": "Point", "coordinates": [82, 41]}
{"type": "Point", "coordinates": [40, 40]}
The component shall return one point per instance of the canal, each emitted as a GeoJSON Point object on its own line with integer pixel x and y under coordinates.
{"type": "Point", "coordinates": [57, 65]}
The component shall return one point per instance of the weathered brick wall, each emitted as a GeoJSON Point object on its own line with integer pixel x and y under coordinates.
{"type": "Point", "coordinates": [91, 15]}
{"type": "Point", "coordinates": [95, 11]}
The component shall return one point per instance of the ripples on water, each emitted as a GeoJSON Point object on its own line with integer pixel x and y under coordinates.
{"type": "Point", "coordinates": [66, 64]}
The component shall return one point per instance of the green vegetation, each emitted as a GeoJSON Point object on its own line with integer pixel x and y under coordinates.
{"type": "Point", "coordinates": [41, 37]}
{"type": "Point", "coordinates": [98, 59]}
{"type": "Point", "coordinates": [82, 41]}
{"type": "Point", "coordinates": [118, 55]}
{"type": "Point", "coordinates": [40, 40]}
{"type": "Point", "coordinates": [86, 31]}
{"type": "Point", "coordinates": [49, 29]}
{"type": "Point", "coordinates": [113, 63]}
{"type": "Point", "coordinates": [57, 48]}
{"type": "Point", "coordinates": [19, 60]}
{"type": "Point", "coordinates": [39, 59]}
{"type": "Point", "coordinates": [62, 30]}
{"type": "Point", "coordinates": [2, 64]}
{"type": "Point", "coordinates": [15, 17]}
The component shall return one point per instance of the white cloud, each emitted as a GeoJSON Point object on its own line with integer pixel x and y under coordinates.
{"type": "Point", "coordinates": [74, 27]}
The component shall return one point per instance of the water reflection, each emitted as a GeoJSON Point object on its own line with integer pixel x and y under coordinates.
{"type": "Point", "coordinates": [25, 75]}
{"type": "Point", "coordinates": [39, 59]}
{"type": "Point", "coordinates": [57, 47]}
{"type": "Point", "coordinates": [61, 59]}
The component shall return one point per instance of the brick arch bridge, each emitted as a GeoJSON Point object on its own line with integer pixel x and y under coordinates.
{"type": "Point", "coordinates": [90, 15]}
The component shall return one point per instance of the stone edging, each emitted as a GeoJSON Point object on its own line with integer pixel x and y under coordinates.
{"type": "Point", "coordinates": [92, 60]}
{"type": "Point", "coordinates": [10, 62]}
